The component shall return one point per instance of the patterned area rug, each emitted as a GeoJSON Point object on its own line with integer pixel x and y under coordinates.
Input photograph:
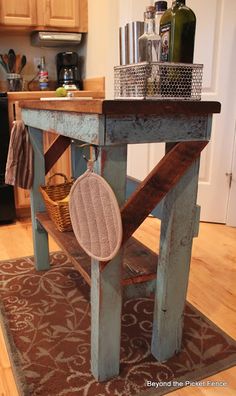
{"type": "Point", "coordinates": [46, 321]}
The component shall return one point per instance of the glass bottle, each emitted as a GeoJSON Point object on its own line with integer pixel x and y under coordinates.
{"type": "Point", "coordinates": [160, 7]}
{"type": "Point", "coordinates": [149, 42]}
{"type": "Point", "coordinates": [177, 30]}
{"type": "Point", "coordinates": [43, 75]}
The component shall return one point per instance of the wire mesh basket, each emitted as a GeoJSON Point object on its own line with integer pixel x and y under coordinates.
{"type": "Point", "coordinates": [159, 80]}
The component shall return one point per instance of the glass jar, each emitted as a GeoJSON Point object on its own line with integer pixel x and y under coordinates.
{"type": "Point", "coordinates": [14, 81]}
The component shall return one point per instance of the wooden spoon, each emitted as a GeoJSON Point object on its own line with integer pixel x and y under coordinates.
{"type": "Point", "coordinates": [18, 63]}
{"type": "Point", "coordinates": [23, 63]}
{"type": "Point", "coordinates": [5, 60]}
{"type": "Point", "coordinates": [11, 60]}
{"type": "Point", "coordinates": [4, 65]}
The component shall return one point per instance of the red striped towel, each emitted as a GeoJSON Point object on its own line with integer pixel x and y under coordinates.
{"type": "Point", "coordinates": [19, 167]}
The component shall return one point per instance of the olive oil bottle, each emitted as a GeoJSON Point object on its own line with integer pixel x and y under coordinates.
{"type": "Point", "coordinates": [177, 31]}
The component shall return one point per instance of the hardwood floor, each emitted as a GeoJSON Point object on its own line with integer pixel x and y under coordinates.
{"type": "Point", "coordinates": [211, 288]}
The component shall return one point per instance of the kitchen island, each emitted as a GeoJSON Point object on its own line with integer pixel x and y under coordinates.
{"type": "Point", "coordinates": [110, 126]}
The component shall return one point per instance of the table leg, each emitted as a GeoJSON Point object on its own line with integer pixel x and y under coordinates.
{"type": "Point", "coordinates": [78, 163]}
{"type": "Point", "coordinates": [40, 236]}
{"type": "Point", "coordinates": [106, 293]}
{"type": "Point", "coordinates": [177, 231]}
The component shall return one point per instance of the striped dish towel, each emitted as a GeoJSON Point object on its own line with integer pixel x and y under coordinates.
{"type": "Point", "coordinates": [19, 166]}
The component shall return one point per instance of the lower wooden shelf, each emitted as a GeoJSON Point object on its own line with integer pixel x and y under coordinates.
{"type": "Point", "coordinates": [139, 263]}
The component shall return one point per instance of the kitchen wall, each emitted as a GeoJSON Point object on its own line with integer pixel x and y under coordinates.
{"type": "Point", "coordinates": [102, 41]}
{"type": "Point", "coordinates": [20, 42]}
{"type": "Point", "coordinates": [105, 17]}
{"type": "Point", "coordinates": [132, 10]}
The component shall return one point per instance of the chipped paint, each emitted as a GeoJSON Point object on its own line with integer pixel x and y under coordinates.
{"type": "Point", "coordinates": [150, 129]}
{"type": "Point", "coordinates": [86, 127]}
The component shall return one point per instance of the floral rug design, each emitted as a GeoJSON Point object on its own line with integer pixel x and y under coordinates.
{"type": "Point", "coordinates": [46, 321]}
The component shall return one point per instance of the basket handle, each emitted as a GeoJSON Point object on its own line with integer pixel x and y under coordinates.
{"type": "Point", "coordinates": [57, 174]}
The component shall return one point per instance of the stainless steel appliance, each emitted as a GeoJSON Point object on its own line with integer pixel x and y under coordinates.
{"type": "Point", "coordinates": [7, 204]}
{"type": "Point", "coordinates": [68, 70]}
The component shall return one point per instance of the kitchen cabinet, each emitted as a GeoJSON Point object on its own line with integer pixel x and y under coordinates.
{"type": "Point", "coordinates": [18, 13]}
{"type": "Point", "coordinates": [57, 15]}
{"type": "Point", "coordinates": [65, 14]}
{"type": "Point", "coordinates": [93, 87]}
{"type": "Point", "coordinates": [22, 197]}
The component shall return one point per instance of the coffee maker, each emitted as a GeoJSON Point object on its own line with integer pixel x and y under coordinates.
{"type": "Point", "coordinates": [68, 73]}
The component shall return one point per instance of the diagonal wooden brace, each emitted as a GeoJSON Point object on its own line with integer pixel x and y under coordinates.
{"type": "Point", "coordinates": [157, 184]}
{"type": "Point", "coordinates": [55, 151]}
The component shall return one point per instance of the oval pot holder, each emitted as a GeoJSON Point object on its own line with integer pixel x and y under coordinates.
{"type": "Point", "coordinates": [95, 216]}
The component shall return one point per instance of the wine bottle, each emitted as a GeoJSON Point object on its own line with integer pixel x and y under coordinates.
{"type": "Point", "coordinates": [177, 31]}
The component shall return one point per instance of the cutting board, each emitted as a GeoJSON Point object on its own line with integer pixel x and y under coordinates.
{"type": "Point", "coordinates": [68, 98]}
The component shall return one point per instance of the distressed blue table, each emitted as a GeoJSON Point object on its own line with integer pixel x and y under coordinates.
{"type": "Point", "coordinates": [185, 127]}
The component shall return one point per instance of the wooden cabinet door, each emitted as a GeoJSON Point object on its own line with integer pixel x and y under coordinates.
{"type": "Point", "coordinates": [65, 13]}
{"type": "Point", "coordinates": [22, 197]}
{"type": "Point", "coordinates": [18, 12]}
{"type": "Point", "coordinates": [63, 164]}
{"type": "Point", "coordinates": [22, 201]}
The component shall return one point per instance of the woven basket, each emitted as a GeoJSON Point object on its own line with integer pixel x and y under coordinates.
{"type": "Point", "coordinates": [52, 195]}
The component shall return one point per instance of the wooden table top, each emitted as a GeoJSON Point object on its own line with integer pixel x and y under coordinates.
{"type": "Point", "coordinates": [124, 107]}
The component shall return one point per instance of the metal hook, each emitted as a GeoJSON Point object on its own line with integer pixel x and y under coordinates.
{"type": "Point", "coordinates": [96, 150]}
{"type": "Point", "coordinates": [89, 161]}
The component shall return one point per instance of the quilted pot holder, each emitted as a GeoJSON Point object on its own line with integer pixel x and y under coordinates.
{"type": "Point", "coordinates": [95, 216]}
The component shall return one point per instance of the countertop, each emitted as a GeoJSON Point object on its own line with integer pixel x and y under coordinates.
{"type": "Point", "coordinates": [27, 95]}
{"type": "Point", "coordinates": [93, 87]}
{"type": "Point", "coordinates": [123, 107]}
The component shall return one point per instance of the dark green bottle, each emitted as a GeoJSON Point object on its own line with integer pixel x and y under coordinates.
{"type": "Point", "coordinates": [177, 30]}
